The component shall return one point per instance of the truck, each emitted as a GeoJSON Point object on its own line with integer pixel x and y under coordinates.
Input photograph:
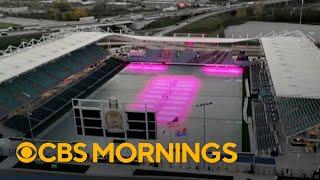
{"type": "Point", "coordinates": [87, 19]}
{"type": "Point", "coordinates": [136, 17]}
{"type": "Point", "coordinates": [228, 5]}
{"type": "Point", "coordinates": [181, 5]}
{"type": "Point", "coordinates": [171, 8]}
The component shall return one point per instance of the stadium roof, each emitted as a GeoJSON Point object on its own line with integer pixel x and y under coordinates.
{"type": "Point", "coordinates": [27, 58]}
{"type": "Point", "coordinates": [29, 55]}
{"type": "Point", "coordinates": [294, 65]}
{"type": "Point", "coordinates": [186, 39]}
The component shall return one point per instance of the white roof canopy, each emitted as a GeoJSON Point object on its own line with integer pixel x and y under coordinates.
{"type": "Point", "coordinates": [294, 65]}
{"type": "Point", "coordinates": [28, 58]}
{"type": "Point", "coordinates": [14, 64]}
{"type": "Point", "coordinates": [184, 39]}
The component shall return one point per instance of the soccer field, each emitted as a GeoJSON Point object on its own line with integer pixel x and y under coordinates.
{"type": "Point", "coordinates": [223, 119]}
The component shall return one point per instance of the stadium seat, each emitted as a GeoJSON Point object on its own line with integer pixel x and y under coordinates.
{"type": "Point", "coordinates": [8, 100]}
{"type": "Point", "coordinates": [54, 104]}
{"type": "Point", "coordinates": [47, 76]}
{"type": "Point", "coordinates": [185, 56]}
{"type": "Point", "coordinates": [20, 123]}
{"type": "Point", "coordinates": [57, 71]}
{"type": "Point", "coordinates": [41, 79]}
{"type": "Point", "coordinates": [72, 64]}
{"type": "Point", "coordinates": [264, 132]}
{"type": "Point", "coordinates": [3, 111]}
{"type": "Point", "coordinates": [298, 114]}
{"type": "Point", "coordinates": [40, 114]}
{"type": "Point", "coordinates": [62, 63]}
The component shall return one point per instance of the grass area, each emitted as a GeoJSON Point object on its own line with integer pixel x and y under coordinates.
{"type": "Point", "coordinates": [162, 22]}
{"type": "Point", "coordinates": [211, 26]}
{"type": "Point", "coordinates": [6, 25]}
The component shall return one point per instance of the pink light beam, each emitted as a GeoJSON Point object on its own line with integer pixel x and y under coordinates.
{"type": "Point", "coordinates": [222, 70]}
{"type": "Point", "coordinates": [169, 96]}
{"type": "Point", "coordinates": [146, 68]}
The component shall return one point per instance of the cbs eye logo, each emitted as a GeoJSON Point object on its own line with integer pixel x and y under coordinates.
{"type": "Point", "coordinates": [26, 152]}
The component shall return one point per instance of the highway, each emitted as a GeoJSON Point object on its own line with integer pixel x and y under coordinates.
{"type": "Point", "coordinates": [218, 11]}
{"type": "Point", "coordinates": [25, 21]}
{"type": "Point", "coordinates": [33, 25]}
{"type": "Point", "coordinates": [191, 20]}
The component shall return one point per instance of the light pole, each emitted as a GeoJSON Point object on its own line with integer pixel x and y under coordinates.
{"type": "Point", "coordinates": [301, 9]}
{"type": "Point", "coordinates": [26, 107]}
{"type": "Point", "coordinates": [298, 158]}
{"type": "Point", "coordinates": [204, 105]}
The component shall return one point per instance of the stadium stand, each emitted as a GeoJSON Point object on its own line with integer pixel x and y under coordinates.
{"type": "Point", "coordinates": [45, 77]}
{"type": "Point", "coordinates": [260, 80]}
{"type": "Point", "coordinates": [40, 116]}
{"type": "Point", "coordinates": [152, 55]}
{"type": "Point", "coordinates": [264, 131]}
{"type": "Point", "coordinates": [264, 107]}
{"type": "Point", "coordinates": [251, 158]}
{"type": "Point", "coordinates": [185, 56]}
{"type": "Point", "coordinates": [298, 114]}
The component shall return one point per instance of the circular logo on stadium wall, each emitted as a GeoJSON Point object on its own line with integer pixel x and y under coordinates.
{"type": "Point", "coordinates": [113, 120]}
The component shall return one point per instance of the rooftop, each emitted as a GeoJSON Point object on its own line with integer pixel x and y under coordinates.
{"type": "Point", "coordinates": [294, 63]}
{"type": "Point", "coordinates": [38, 52]}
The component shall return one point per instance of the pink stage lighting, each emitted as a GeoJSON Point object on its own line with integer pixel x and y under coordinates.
{"type": "Point", "coordinates": [169, 96]}
{"type": "Point", "coordinates": [189, 43]}
{"type": "Point", "coordinates": [146, 68]}
{"type": "Point", "coordinates": [222, 70]}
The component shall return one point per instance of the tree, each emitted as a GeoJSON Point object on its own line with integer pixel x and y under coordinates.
{"type": "Point", "coordinates": [258, 10]}
{"type": "Point", "coordinates": [58, 8]}
{"type": "Point", "coordinates": [242, 12]}
{"type": "Point", "coordinates": [61, 5]}
{"type": "Point", "coordinates": [56, 14]}
{"type": "Point", "coordinates": [68, 16]}
{"type": "Point", "coordinates": [79, 12]}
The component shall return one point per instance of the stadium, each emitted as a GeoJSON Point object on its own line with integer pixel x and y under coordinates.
{"type": "Point", "coordinates": [91, 85]}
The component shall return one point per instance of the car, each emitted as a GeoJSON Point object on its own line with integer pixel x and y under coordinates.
{"type": "Point", "coordinates": [4, 34]}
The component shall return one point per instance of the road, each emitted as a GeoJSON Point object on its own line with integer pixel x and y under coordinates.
{"type": "Point", "coordinates": [36, 24]}
{"type": "Point", "coordinates": [190, 20]}
{"type": "Point", "coordinates": [25, 21]}
{"type": "Point", "coordinates": [202, 16]}
{"type": "Point", "coordinates": [32, 25]}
